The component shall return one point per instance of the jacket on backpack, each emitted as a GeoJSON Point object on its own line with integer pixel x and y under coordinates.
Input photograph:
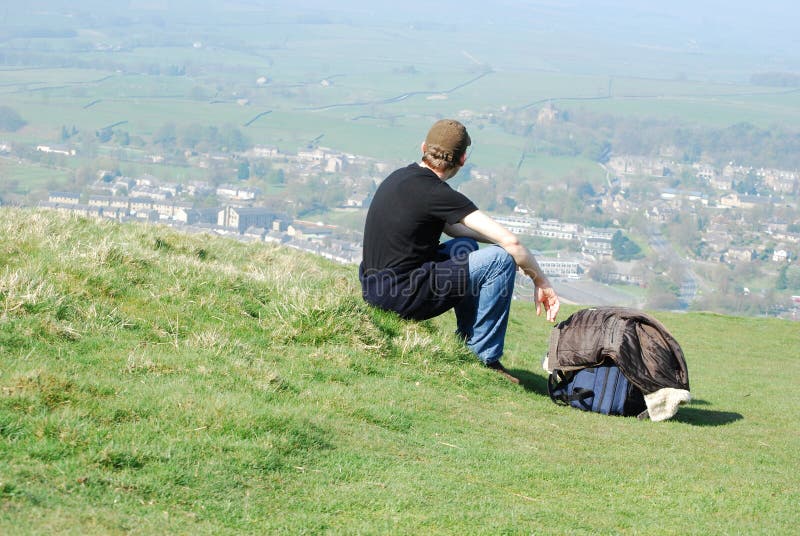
{"type": "Point", "coordinates": [636, 342]}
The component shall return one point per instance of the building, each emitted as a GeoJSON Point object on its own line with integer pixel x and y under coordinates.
{"type": "Point", "coordinates": [599, 247]}
{"type": "Point", "coordinates": [560, 267]}
{"type": "Point", "coordinates": [736, 254]}
{"type": "Point", "coordinates": [64, 198]}
{"type": "Point", "coordinates": [76, 209]}
{"type": "Point", "coordinates": [241, 218]}
{"type": "Point", "coordinates": [64, 151]}
{"type": "Point", "coordinates": [234, 192]}
{"type": "Point", "coordinates": [516, 224]}
{"type": "Point", "coordinates": [780, 255]}
{"type": "Point", "coordinates": [748, 202]}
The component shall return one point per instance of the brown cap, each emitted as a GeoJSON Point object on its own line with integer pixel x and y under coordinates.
{"type": "Point", "coordinates": [447, 139]}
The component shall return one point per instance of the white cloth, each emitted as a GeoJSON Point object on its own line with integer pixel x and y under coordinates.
{"type": "Point", "coordinates": [663, 404]}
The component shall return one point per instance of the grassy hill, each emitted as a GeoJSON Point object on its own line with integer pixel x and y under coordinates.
{"type": "Point", "coordinates": [153, 382]}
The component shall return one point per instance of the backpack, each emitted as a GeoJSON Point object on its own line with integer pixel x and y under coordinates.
{"type": "Point", "coordinates": [601, 389]}
{"type": "Point", "coordinates": [607, 359]}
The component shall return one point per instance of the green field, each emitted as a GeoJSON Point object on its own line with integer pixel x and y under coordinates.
{"type": "Point", "coordinates": [153, 382]}
{"type": "Point", "coordinates": [359, 98]}
{"type": "Point", "coordinates": [26, 178]}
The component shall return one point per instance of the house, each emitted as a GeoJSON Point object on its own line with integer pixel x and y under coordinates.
{"type": "Point", "coordinates": [334, 165]}
{"type": "Point", "coordinates": [259, 151]}
{"type": "Point", "coordinates": [724, 184]}
{"type": "Point", "coordinates": [185, 213]}
{"type": "Point", "coordinates": [147, 215]}
{"type": "Point", "coordinates": [660, 214]}
{"type": "Point", "coordinates": [308, 230]}
{"type": "Point", "coordinates": [67, 198]}
{"type": "Point", "coordinates": [122, 203]}
{"type": "Point", "coordinates": [516, 224]}
{"type": "Point", "coordinates": [139, 204]}
{"type": "Point", "coordinates": [549, 233]}
{"type": "Point", "coordinates": [705, 172]}
{"type": "Point", "coordinates": [76, 209]}
{"type": "Point", "coordinates": [748, 202]}
{"type": "Point", "coordinates": [600, 233]}
{"type": "Point", "coordinates": [234, 192]}
{"type": "Point", "coordinates": [146, 181]}
{"type": "Point", "coordinates": [547, 115]}
{"type": "Point", "coordinates": [676, 197]}
{"type": "Point", "coordinates": [241, 218]}
{"type": "Point", "coordinates": [560, 267]}
{"type": "Point", "coordinates": [357, 200]}
{"type": "Point", "coordinates": [599, 247]}
{"type": "Point", "coordinates": [150, 192]}
{"type": "Point", "coordinates": [100, 200]}
{"type": "Point", "coordinates": [638, 165]}
{"type": "Point", "coordinates": [64, 151]}
{"type": "Point", "coordinates": [737, 254]}
{"type": "Point", "coordinates": [780, 255]}
{"type": "Point", "coordinates": [555, 229]}
{"type": "Point", "coordinates": [625, 273]}
{"type": "Point", "coordinates": [316, 155]}
{"type": "Point", "coordinates": [784, 182]}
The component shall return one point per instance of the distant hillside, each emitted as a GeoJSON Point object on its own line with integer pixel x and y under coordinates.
{"type": "Point", "coordinates": [155, 382]}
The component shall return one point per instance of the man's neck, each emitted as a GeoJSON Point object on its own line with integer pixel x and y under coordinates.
{"type": "Point", "coordinates": [443, 175]}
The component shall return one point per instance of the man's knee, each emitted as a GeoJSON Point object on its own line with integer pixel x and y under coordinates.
{"type": "Point", "coordinates": [504, 260]}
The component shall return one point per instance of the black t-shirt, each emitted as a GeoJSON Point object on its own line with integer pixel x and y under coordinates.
{"type": "Point", "coordinates": [402, 269]}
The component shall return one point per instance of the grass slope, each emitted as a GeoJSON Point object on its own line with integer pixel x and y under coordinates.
{"type": "Point", "coordinates": [155, 382]}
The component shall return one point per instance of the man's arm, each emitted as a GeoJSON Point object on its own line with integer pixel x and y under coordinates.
{"type": "Point", "coordinates": [457, 230]}
{"type": "Point", "coordinates": [483, 225]}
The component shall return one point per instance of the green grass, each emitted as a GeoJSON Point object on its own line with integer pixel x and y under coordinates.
{"type": "Point", "coordinates": [27, 177]}
{"type": "Point", "coordinates": [49, 98]}
{"type": "Point", "coordinates": [153, 382]}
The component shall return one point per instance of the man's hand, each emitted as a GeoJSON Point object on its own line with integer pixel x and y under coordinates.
{"type": "Point", "coordinates": [546, 296]}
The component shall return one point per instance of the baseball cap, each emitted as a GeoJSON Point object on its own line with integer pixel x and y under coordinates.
{"type": "Point", "coordinates": [448, 139]}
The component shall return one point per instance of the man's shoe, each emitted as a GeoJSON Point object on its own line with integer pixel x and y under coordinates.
{"type": "Point", "coordinates": [498, 366]}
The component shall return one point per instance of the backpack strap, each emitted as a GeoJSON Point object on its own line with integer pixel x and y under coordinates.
{"type": "Point", "coordinates": [557, 389]}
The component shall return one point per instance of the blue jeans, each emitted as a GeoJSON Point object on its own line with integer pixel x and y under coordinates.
{"type": "Point", "coordinates": [482, 316]}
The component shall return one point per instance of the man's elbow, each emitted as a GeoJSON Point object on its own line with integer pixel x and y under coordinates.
{"type": "Point", "coordinates": [511, 243]}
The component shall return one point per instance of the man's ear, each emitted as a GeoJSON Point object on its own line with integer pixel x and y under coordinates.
{"type": "Point", "coordinates": [423, 147]}
{"type": "Point", "coordinates": [463, 159]}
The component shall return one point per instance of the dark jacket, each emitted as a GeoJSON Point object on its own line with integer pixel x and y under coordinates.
{"type": "Point", "coordinates": [636, 342]}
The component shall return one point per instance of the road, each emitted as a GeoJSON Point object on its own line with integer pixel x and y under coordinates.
{"type": "Point", "coordinates": [580, 292]}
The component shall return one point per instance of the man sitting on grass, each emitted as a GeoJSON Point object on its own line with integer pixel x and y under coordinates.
{"type": "Point", "coordinates": [405, 268]}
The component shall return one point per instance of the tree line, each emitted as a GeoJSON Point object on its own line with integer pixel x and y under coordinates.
{"type": "Point", "coordinates": [596, 135]}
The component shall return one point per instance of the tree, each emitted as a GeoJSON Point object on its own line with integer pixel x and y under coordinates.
{"type": "Point", "coordinates": [232, 139]}
{"type": "Point", "coordinates": [166, 135]}
{"type": "Point", "coordinates": [793, 278]}
{"type": "Point", "coordinates": [276, 177]}
{"type": "Point", "coordinates": [243, 171]}
{"type": "Point", "coordinates": [663, 294]}
{"type": "Point", "coordinates": [104, 135]}
{"type": "Point", "coordinates": [122, 137]}
{"type": "Point", "coordinates": [601, 271]}
{"type": "Point", "coordinates": [191, 135]}
{"type": "Point", "coordinates": [10, 120]}
{"type": "Point", "coordinates": [783, 281]}
{"type": "Point", "coordinates": [624, 249]}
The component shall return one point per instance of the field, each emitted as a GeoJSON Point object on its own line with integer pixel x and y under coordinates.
{"type": "Point", "coordinates": [341, 77]}
{"type": "Point", "coordinates": [153, 382]}
{"type": "Point", "coordinates": [25, 178]}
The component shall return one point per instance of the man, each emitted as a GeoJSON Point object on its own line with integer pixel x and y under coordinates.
{"type": "Point", "coordinates": [405, 269]}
